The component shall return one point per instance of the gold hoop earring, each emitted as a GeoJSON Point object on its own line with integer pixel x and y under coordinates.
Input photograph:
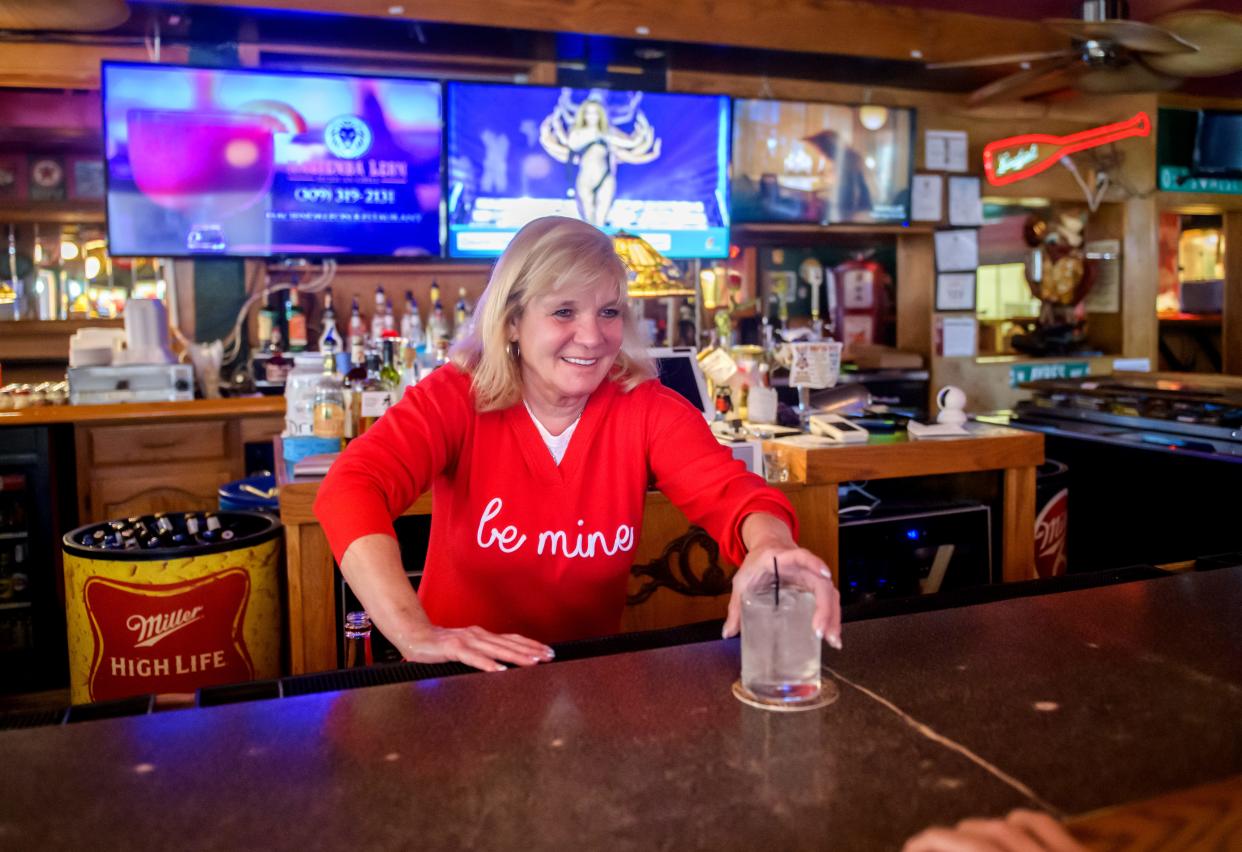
{"type": "Point", "coordinates": [513, 350]}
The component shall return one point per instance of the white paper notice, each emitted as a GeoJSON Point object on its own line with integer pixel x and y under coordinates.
{"type": "Point", "coordinates": [945, 150]}
{"type": "Point", "coordinates": [965, 206]}
{"type": "Point", "coordinates": [925, 198]}
{"type": "Point", "coordinates": [815, 365]}
{"type": "Point", "coordinates": [955, 291]}
{"type": "Point", "coordinates": [957, 251]}
{"type": "Point", "coordinates": [959, 336]}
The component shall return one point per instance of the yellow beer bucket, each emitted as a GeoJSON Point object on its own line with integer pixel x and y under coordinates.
{"type": "Point", "coordinates": [171, 607]}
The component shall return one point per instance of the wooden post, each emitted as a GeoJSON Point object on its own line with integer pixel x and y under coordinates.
{"type": "Point", "coordinates": [1231, 315]}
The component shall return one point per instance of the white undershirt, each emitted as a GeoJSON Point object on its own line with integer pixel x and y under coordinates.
{"type": "Point", "coordinates": [557, 444]}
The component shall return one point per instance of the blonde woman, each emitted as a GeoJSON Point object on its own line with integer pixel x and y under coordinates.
{"type": "Point", "coordinates": [538, 443]}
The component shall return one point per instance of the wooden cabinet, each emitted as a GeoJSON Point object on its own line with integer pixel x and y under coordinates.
{"type": "Point", "coordinates": [173, 465]}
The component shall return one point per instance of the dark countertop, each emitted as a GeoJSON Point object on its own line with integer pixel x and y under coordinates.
{"type": "Point", "coordinates": [1084, 699]}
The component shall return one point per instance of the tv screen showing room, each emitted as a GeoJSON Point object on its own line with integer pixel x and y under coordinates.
{"type": "Point", "coordinates": [651, 164]}
{"type": "Point", "coordinates": [245, 163]}
{"type": "Point", "coordinates": [820, 163]}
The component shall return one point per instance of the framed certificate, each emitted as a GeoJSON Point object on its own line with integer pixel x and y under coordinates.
{"type": "Point", "coordinates": [955, 291]}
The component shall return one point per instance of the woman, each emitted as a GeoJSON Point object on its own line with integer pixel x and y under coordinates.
{"type": "Point", "coordinates": [538, 442]}
{"type": "Point", "coordinates": [585, 136]}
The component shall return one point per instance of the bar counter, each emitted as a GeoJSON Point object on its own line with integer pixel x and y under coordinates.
{"type": "Point", "coordinates": [1068, 702]}
{"type": "Point", "coordinates": [46, 415]}
{"type": "Point", "coordinates": [670, 550]}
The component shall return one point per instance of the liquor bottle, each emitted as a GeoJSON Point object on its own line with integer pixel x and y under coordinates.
{"type": "Point", "coordinates": [373, 396]}
{"type": "Point", "coordinates": [357, 328]}
{"type": "Point", "coordinates": [267, 322]}
{"type": "Point", "coordinates": [412, 323]}
{"type": "Point", "coordinates": [377, 315]}
{"type": "Point", "coordinates": [329, 402]}
{"type": "Point", "coordinates": [461, 315]}
{"type": "Point", "coordinates": [390, 320]}
{"type": "Point", "coordinates": [329, 338]}
{"type": "Point", "coordinates": [353, 385]}
{"type": "Point", "coordinates": [435, 292]}
{"type": "Point", "coordinates": [389, 374]}
{"type": "Point", "coordinates": [296, 320]}
{"type": "Point", "coordinates": [437, 326]}
{"type": "Point", "coordinates": [357, 640]}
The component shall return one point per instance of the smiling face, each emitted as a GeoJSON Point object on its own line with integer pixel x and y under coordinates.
{"type": "Point", "coordinates": [568, 339]}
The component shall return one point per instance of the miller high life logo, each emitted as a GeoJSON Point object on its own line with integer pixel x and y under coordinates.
{"type": "Point", "coordinates": [167, 638]}
{"type": "Point", "coordinates": [1019, 157]}
{"type": "Point", "coordinates": [1051, 526]}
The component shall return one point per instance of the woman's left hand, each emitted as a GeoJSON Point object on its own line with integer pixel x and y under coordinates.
{"type": "Point", "coordinates": [768, 537]}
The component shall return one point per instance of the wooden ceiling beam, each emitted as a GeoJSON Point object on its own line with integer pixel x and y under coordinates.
{"type": "Point", "coordinates": [845, 27]}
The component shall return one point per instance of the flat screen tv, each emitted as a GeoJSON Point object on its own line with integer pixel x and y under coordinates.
{"type": "Point", "coordinates": [1218, 143]}
{"type": "Point", "coordinates": [821, 163]}
{"type": "Point", "coordinates": [655, 165]}
{"type": "Point", "coordinates": [251, 163]}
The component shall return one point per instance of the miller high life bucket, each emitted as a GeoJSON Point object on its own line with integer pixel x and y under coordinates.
{"type": "Point", "coordinates": [171, 606]}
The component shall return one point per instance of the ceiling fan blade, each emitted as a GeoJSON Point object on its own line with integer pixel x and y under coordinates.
{"type": "Point", "coordinates": [1132, 77]}
{"type": "Point", "coordinates": [73, 15]}
{"type": "Point", "coordinates": [1134, 35]}
{"type": "Point", "coordinates": [1045, 77]}
{"type": "Point", "coordinates": [1219, 36]}
{"type": "Point", "coordinates": [1004, 59]}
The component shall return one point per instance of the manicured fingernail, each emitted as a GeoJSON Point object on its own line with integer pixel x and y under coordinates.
{"type": "Point", "coordinates": [835, 641]}
{"type": "Point", "coordinates": [724, 633]}
{"type": "Point", "coordinates": [824, 572]}
{"type": "Point", "coordinates": [819, 634]}
{"type": "Point", "coordinates": [538, 659]}
{"type": "Point", "coordinates": [549, 653]}
{"type": "Point", "coordinates": [501, 668]}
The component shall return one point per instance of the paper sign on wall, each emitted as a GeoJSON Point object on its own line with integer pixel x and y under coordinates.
{"type": "Point", "coordinates": [965, 205]}
{"type": "Point", "coordinates": [957, 251]}
{"type": "Point", "coordinates": [955, 291]}
{"type": "Point", "coordinates": [959, 336]}
{"type": "Point", "coordinates": [925, 198]}
{"type": "Point", "coordinates": [945, 150]}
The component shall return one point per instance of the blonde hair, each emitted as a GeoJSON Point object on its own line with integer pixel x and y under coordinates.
{"type": "Point", "coordinates": [547, 255]}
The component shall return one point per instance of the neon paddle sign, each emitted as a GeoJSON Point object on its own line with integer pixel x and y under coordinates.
{"type": "Point", "coordinates": [1019, 157]}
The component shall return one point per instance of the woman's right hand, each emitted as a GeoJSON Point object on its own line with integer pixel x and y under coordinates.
{"type": "Point", "coordinates": [475, 647]}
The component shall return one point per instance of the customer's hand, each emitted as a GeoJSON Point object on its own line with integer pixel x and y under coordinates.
{"type": "Point", "coordinates": [767, 537]}
{"type": "Point", "coordinates": [475, 647]}
{"type": "Point", "coordinates": [1020, 831]}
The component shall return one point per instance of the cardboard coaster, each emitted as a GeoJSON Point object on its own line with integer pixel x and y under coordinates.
{"type": "Point", "coordinates": [828, 693]}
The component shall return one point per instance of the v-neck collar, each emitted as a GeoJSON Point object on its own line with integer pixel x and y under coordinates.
{"type": "Point", "coordinates": [538, 457]}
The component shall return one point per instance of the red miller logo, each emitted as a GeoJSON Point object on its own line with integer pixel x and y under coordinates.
{"type": "Point", "coordinates": [1051, 526]}
{"type": "Point", "coordinates": [167, 638]}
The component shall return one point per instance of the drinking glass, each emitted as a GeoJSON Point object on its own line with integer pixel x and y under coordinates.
{"type": "Point", "coordinates": [780, 651]}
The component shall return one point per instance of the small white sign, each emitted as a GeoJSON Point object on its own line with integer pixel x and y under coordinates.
{"type": "Point", "coordinates": [718, 366]}
{"type": "Point", "coordinates": [815, 364]}
{"type": "Point", "coordinates": [955, 291]}
{"type": "Point", "coordinates": [926, 204]}
{"type": "Point", "coordinates": [957, 251]}
{"type": "Point", "coordinates": [959, 337]}
{"type": "Point", "coordinates": [965, 205]}
{"type": "Point", "coordinates": [946, 151]}
{"type": "Point", "coordinates": [375, 403]}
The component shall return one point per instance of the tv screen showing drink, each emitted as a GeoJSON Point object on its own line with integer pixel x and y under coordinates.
{"type": "Point", "coordinates": [655, 165]}
{"type": "Point", "coordinates": [821, 163]}
{"type": "Point", "coordinates": [243, 163]}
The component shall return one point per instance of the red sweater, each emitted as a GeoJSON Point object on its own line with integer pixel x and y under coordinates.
{"type": "Point", "coordinates": [518, 544]}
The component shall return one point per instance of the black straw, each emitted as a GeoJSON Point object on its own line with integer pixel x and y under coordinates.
{"type": "Point", "coordinates": [776, 591]}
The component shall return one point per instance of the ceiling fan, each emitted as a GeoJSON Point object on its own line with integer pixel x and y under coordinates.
{"type": "Point", "coordinates": [1109, 53]}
